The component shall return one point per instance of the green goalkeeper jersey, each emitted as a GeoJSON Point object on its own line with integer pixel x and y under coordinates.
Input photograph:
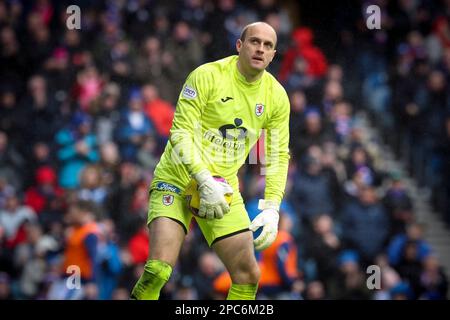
{"type": "Point", "coordinates": [218, 119]}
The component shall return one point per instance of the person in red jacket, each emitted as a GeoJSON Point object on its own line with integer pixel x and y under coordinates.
{"type": "Point", "coordinates": [303, 57]}
{"type": "Point", "coordinates": [46, 194]}
{"type": "Point", "coordinates": [138, 246]}
{"type": "Point", "coordinates": [159, 111]}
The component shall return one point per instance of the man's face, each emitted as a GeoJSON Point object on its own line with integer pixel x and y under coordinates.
{"type": "Point", "coordinates": [258, 48]}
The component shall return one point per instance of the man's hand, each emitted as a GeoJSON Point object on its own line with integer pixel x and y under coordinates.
{"type": "Point", "coordinates": [212, 200]}
{"type": "Point", "coordinates": [268, 220]}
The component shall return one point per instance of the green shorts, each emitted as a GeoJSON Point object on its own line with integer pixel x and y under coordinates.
{"type": "Point", "coordinates": [166, 200]}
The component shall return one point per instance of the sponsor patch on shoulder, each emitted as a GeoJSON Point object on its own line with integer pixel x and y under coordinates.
{"type": "Point", "coordinates": [164, 186]}
{"type": "Point", "coordinates": [189, 92]}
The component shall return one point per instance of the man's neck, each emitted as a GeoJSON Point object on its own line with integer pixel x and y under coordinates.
{"type": "Point", "coordinates": [247, 75]}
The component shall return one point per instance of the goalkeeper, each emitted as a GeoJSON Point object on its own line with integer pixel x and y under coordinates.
{"type": "Point", "coordinates": [221, 112]}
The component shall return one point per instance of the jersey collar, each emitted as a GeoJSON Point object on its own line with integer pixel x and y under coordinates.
{"type": "Point", "coordinates": [241, 79]}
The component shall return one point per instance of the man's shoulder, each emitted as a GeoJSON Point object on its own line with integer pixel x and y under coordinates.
{"type": "Point", "coordinates": [277, 92]}
{"type": "Point", "coordinates": [273, 82]}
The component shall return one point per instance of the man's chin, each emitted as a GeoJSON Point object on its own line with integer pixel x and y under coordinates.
{"type": "Point", "coordinates": [257, 66]}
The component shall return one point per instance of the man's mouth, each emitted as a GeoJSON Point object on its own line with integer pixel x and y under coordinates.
{"type": "Point", "coordinates": [257, 58]}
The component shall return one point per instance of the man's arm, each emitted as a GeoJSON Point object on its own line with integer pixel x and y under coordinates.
{"type": "Point", "coordinates": [187, 120]}
{"type": "Point", "coordinates": [186, 139]}
{"type": "Point", "coordinates": [277, 160]}
{"type": "Point", "coordinates": [277, 150]}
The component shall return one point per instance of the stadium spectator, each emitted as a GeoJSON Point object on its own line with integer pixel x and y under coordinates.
{"type": "Point", "coordinates": [311, 196]}
{"type": "Point", "coordinates": [154, 64]}
{"type": "Point", "coordinates": [107, 116]}
{"type": "Point", "coordinates": [279, 274]}
{"type": "Point", "coordinates": [5, 287]}
{"type": "Point", "coordinates": [350, 282]}
{"type": "Point", "coordinates": [30, 260]}
{"type": "Point", "coordinates": [109, 261]}
{"type": "Point", "coordinates": [303, 59]}
{"type": "Point", "coordinates": [40, 106]}
{"type": "Point", "coordinates": [13, 219]}
{"type": "Point", "coordinates": [160, 112]}
{"type": "Point", "coordinates": [5, 190]}
{"type": "Point", "coordinates": [365, 225]}
{"type": "Point", "coordinates": [398, 205]}
{"type": "Point", "coordinates": [210, 269]}
{"type": "Point", "coordinates": [91, 186]}
{"type": "Point", "coordinates": [134, 128]}
{"type": "Point", "coordinates": [82, 239]}
{"type": "Point", "coordinates": [77, 148]}
{"type": "Point", "coordinates": [433, 281]}
{"type": "Point", "coordinates": [41, 156]}
{"type": "Point", "coordinates": [138, 245]}
{"type": "Point", "coordinates": [11, 162]}
{"type": "Point", "coordinates": [46, 197]}
{"type": "Point", "coordinates": [414, 232]}
{"type": "Point", "coordinates": [409, 267]}
{"type": "Point", "coordinates": [323, 246]}
{"type": "Point", "coordinates": [185, 50]}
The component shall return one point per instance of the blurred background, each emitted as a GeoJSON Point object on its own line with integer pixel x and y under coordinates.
{"type": "Point", "coordinates": [85, 115]}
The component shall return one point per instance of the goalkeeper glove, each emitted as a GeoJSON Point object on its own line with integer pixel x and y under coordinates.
{"type": "Point", "coordinates": [268, 220]}
{"type": "Point", "coordinates": [212, 200]}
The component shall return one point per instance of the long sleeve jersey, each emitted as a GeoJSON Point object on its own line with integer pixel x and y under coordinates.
{"type": "Point", "coordinates": [218, 119]}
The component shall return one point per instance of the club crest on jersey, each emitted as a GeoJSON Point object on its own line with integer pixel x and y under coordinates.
{"type": "Point", "coordinates": [167, 199]}
{"type": "Point", "coordinates": [189, 92]}
{"type": "Point", "coordinates": [259, 109]}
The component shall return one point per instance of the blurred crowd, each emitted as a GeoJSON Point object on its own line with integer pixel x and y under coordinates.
{"type": "Point", "coordinates": [85, 115]}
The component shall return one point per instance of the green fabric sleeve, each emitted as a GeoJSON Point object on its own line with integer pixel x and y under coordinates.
{"type": "Point", "coordinates": [185, 134]}
{"type": "Point", "coordinates": [277, 148]}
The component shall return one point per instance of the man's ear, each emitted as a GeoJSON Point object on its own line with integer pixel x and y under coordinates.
{"type": "Point", "coordinates": [273, 56]}
{"type": "Point", "coordinates": [238, 45]}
